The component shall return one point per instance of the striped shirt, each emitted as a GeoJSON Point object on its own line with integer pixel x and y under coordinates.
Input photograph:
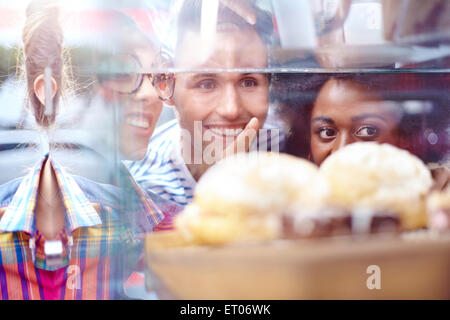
{"type": "Point", "coordinates": [164, 172]}
{"type": "Point", "coordinates": [93, 264]}
{"type": "Point", "coordinates": [138, 203]}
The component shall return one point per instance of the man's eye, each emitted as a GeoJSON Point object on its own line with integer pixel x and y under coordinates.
{"type": "Point", "coordinates": [206, 85]}
{"type": "Point", "coordinates": [248, 83]}
{"type": "Point", "coordinates": [367, 132]}
{"type": "Point", "coordinates": [327, 133]}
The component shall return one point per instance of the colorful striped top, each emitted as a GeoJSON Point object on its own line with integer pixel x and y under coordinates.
{"type": "Point", "coordinates": [99, 250]}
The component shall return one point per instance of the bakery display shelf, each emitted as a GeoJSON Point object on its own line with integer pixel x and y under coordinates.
{"type": "Point", "coordinates": [415, 267]}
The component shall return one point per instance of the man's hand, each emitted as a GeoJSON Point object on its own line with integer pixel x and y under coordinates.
{"type": "Point", "coordinates": [242, 8]}
{"type": "Point", "coordinates": [244, 140]}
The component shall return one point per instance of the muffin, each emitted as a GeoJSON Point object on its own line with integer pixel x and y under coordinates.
{"type": "Point", "coordinates": [243, 197]}
{"type": "Point", "coordinates": [370, 179]}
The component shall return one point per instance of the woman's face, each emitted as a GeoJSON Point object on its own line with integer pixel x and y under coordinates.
{"type": "Point", "coordinates": [344, 113]}
{"type": "Point", "coordinates": [140, 112]}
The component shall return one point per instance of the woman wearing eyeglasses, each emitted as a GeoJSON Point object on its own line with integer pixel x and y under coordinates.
{"type": "Point", "coordinates": [130, 84]}
{"type": "Point", "coordinates": [64, 236]}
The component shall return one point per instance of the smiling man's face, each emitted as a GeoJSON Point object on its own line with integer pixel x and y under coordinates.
{"type": "Point", "coordinates": [224, 102]}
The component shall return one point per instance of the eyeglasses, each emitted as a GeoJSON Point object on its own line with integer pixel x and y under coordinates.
{"type": "Point", "coordinates": [127, 79]}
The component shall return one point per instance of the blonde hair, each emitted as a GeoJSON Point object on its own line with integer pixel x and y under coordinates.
{"type": "Point", "coordinates": [42, 38]}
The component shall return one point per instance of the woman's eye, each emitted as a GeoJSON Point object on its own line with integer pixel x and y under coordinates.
{"type": "Point", "coordinates": [327, 133]}
{"type": "Point", "coordinates": [248, 83]}
{"type": "Point", "coordinates": [367, 132]}
{"type": "Point", "coordinates": [206, 85]}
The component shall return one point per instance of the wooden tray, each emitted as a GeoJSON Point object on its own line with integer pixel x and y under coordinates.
{"type": "Point", "coordinates": [320, 269]}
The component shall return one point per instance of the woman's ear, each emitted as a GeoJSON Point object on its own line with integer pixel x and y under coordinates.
{"type": "Point", "coordinates": [39, 88]}
{"type": "Point", "coordinates": [169, 101]}
{"type": "Point", "coordinates": [165, 87]}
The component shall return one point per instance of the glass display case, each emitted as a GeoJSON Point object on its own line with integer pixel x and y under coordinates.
{"type": "Point", "coordinates": [340, 84]}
